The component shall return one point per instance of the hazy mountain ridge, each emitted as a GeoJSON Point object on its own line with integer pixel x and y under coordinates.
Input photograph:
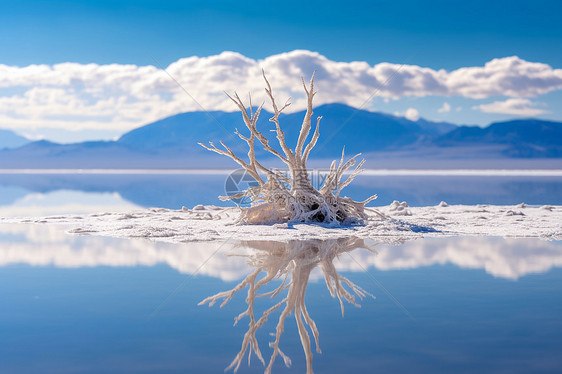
{"type": "Point", "coordinates": [9, 139]}
{"type": "Point", "coordinates": [523, 138]}
{"type": "Point", "coordinates": [172, 141]}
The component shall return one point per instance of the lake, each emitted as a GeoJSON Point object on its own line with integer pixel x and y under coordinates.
{"type": "Point", "coordinates": [93, 304]}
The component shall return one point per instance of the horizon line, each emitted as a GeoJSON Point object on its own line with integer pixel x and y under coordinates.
{"type": "Point", "coordinates": [366, 172]}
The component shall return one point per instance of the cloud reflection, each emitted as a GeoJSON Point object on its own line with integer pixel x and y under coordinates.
{"type": "Point", "coordinates": [49, 245]}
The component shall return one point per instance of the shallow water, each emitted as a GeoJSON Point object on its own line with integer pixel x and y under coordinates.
{"type": "Point", "coordinates": [92, 304]}
{"type": "Point", "coordinates": [176, 190]}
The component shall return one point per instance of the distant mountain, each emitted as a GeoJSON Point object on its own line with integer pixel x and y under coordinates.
{"type": "Point", "coordinates": [9, 139]}
{"type": "Point", "coordinates": [96, 154]}
{"type": "Point", "coordinates": [521, 138]}
{"type": "Point", "coordinates": [184, 130]}
{"type": "Point", "coordinates": [172, 142]}
{"type": "Point", "coordinates": [341, 125]}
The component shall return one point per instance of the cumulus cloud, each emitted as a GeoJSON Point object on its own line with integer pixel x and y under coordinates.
{"type": "Point", "coordinates": [517, 106]}
{"type": "Point", "coordinates": [412, 114]}
{"type": "Point", "coordinates": [445, 108]}
{"type": "Point", "coordinates": [120, 97]}
{"type": "Point", "coordinates": [509, 76]}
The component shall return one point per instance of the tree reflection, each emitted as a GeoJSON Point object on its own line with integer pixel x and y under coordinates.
{"type": "Point", "coordinates": [292, 262]}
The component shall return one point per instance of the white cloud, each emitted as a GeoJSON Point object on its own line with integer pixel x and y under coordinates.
{"type": "Point", "coordinates": [412, 114]}
{"type": "Point", "coordinates": [509, 76]}
{"type": "Point", "coordinates": [115, 97]}
{"type": "Point", "coordinates": [518, 107]}
{"type": "Point", "coordinates": [445, 108]}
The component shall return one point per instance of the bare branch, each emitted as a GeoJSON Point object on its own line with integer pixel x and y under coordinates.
{"type": "Point", "coordinates": [305, 128]}
{"type": "Point", "coordinates": [229, 153]}
{"type": "Point", "coordinates": [251, 125]}
{"type": "Point", "coordinates": [312, 141]}
{"type": "Point", "coordinates": [275, 119]}
{"type": "Point", "coordinates": [356, 172]}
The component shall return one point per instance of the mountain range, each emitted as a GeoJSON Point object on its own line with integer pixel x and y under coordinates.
{"type": "Point", "coordinates": [172, 141]}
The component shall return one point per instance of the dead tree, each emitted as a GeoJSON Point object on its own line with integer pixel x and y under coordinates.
{"type": "Point", "coordinates": [292, 197]}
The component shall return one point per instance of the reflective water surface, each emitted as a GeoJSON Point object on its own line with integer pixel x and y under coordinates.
{"type": "Point", "coordinates": [174, 190]}
{"type": "Point", "coordinates": [100, 305]}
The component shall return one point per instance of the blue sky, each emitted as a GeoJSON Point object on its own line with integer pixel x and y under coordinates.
{"type": "Point", "coordinates": [438, 35]}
